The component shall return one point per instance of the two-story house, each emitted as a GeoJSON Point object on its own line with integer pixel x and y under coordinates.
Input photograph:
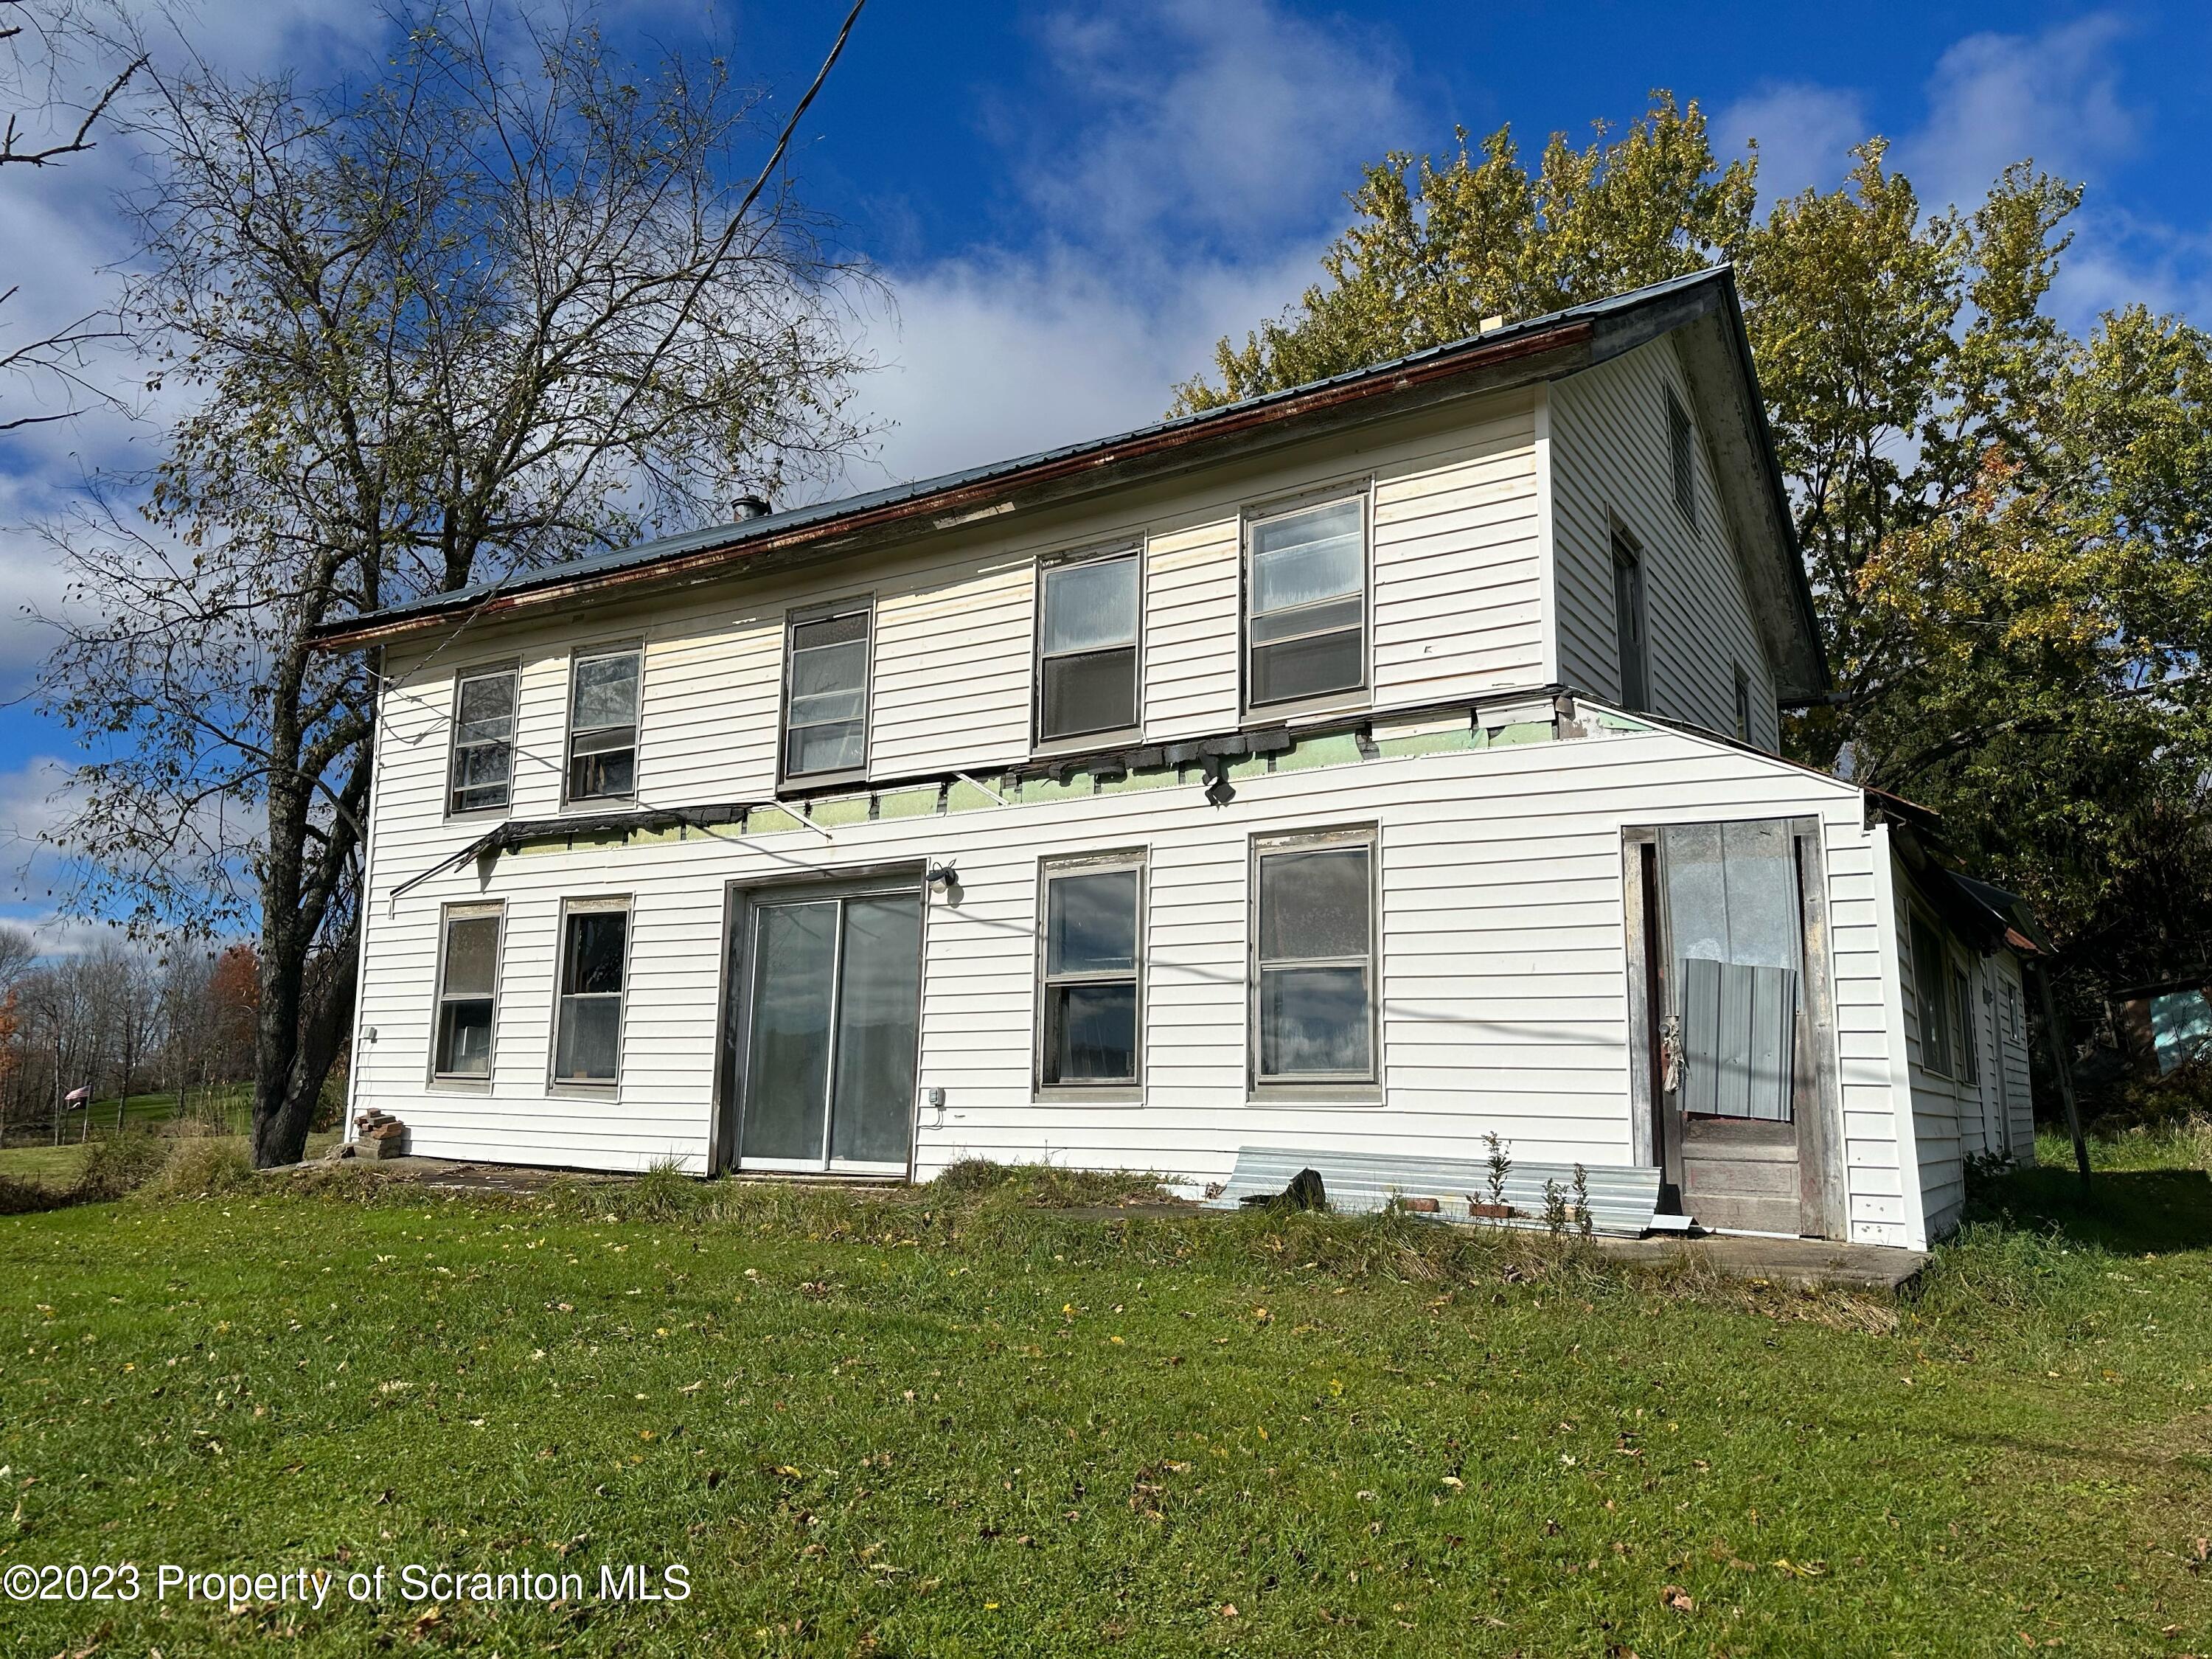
{"type": "Point", "coordinates": [1356, 772]}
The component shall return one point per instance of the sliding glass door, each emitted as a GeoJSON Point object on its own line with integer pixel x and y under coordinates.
{"type": "Point", "coordinates": [828, 1073]}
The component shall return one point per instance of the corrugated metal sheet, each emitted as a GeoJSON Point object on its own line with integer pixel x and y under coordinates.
{"type": "Point", "coordinates": [1737, 1038]}
{"type": "Point", "coordinates": [1621, 1199]}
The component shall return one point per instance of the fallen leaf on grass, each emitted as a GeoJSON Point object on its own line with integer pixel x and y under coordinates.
{"type": "Point", "coordinates": [1674, 1596]}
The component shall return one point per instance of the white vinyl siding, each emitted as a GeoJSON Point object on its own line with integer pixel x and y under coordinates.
{"type": "Point", "coordinates": [1612, 466]}
{"type": "Point", "coordinates": [1502, 957]}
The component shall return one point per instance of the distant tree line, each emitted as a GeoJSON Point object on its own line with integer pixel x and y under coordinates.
{"type": "Point", "coordinates": [120, 1020]}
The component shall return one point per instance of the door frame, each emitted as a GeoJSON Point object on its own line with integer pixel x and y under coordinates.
{"type": "Point", "coordinates": [741, 901]}
{"type": "Point", "coordinates": [1816, 1101]}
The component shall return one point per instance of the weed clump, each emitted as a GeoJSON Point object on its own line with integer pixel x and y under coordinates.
{"type": "Point", "coordinates": [119, 1165]}
{"type": "Point", "coordinates": [203, 1166]}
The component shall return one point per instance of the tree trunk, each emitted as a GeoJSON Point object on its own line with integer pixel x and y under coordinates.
{"type": "Point", "coordinates": [294, 1060]}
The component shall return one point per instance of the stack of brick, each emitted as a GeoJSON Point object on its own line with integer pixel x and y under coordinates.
{"type": "Point", "coordinates": [377, 1135]}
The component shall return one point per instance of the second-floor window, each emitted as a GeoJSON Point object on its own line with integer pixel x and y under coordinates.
{"type": "Point", "coordinates": [1087, 646]}
{"type": "Point", "coordinates": [603, 726]}
{"type": "Point", "coordinates": [1306, 603]}
{"type": "Point", "coordinates": [483, 742]}
{"type": "Point", "coordinates": [825, 719]}
{"type": "Point", "coordinates": [1930, 981]}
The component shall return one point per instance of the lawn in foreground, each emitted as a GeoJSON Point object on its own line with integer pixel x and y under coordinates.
{"type": "Point", "coordinates": [906, 1427]}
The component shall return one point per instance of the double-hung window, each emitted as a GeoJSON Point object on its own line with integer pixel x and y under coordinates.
{"type": "Point", "coordinates": [1092, 970]}
{"type": "Point", "coordinates": [1962, 998]}
{"type": "Point", "coordinates": [603, 725]}
{"type": "Point", "coordinates": [1087, 646]}
{"type": "Point", "coordinates": [1306, 603]}
{"type": "Point", "coordinates": [825, 716]}
{"type": "Point", "coordinates": [1313, 979]}
{"type": "Point", "coordinates": [595, 969]}
{"type": "Point", "coordinates": [483, 768]}
{"type": "Point", "coordinates": [1930, 982]}
{"type": "Point", "coordinates": [468, 993]}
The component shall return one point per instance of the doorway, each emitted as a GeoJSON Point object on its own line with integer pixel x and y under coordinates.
{"type": "Point", "coordinates": [828, 1016]}
{"type": "Point", "coordinates": [1731, 1033]}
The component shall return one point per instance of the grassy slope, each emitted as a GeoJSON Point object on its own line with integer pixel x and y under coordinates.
{"type": "Point", "coordinates": [57, 1165]}
{"type": "Point", "coordinates": [1045, 1434]}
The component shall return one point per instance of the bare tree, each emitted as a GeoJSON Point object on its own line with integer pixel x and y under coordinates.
{"type": "Point", "coordinates": [513, 302]}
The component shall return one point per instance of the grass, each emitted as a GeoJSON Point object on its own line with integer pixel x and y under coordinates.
{"type": "Point", "coordinates": [962, 1422]}
{"type": "Point", "coordinates": [57, 1165]}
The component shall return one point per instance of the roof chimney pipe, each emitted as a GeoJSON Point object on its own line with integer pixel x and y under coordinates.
{"type": "Point", "coordinates": [750, 506]}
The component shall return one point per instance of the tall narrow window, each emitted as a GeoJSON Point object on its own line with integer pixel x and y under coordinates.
{"type": "Point", "coordinates": [594, 963]}
{"type": "Point", "coordinates": [1087, 647]}
{"type": "Point", "coordinates": [1681, 452]}
{"type": "Point", "coordinates": [1092, 963]}
{"type": "Point", "coordinates": [1743, 705]}
{"type": "Point", "coordinates": [468, 989]}
{"type": "Point", "coordinates": [1929, 982]}
{"type": "Point", "coordinates": [1313, 992]}
{"type": "Point", "coordinates": [603, 726]}
{"type": "Point", "coordinates": [1970, 1061]}
{"type": "Point", "coordinates": [1629, 623]}
{"type": "Point", "coordinates": [483, 742]}
{"type": "Point", "coordinates": [1306, 603]}
{"type": "Point", "coordinates": [825, 723]}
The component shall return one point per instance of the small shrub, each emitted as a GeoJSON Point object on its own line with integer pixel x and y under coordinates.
{"type": "Point", "coordinates": [120, 1165]}
{"type": "Point", "coordinates": [1555, 1208]}
{"type": "Point", "coordinates": [664, 1191]}
{"type": "Point", "coordinates": [1584, 1223]}
{"type": "Point", "coordinates": [1501, 1166]}
{"type": "Point", "coordinates": [201, 1166]}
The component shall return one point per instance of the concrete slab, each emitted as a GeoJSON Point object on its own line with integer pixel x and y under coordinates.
{"type": "Point", "coordinates": [1798, 1263]}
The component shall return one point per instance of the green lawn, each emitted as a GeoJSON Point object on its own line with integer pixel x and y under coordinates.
{"type": "Point", "coordinates": [918, 1425]}
{"type": "Point", "coordinates": [57, 1165]}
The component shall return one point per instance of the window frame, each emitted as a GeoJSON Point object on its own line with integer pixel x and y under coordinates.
{"type": "Point", "coordinates": [577, 655]}
{"type": "Point", "coordinates": [1103, 1090]}
{"type": "Point", "coordinates": [597, 904]}
{"type": "Point", "coordinates": [794, 618]}
{"type": "Point", "coordinates": [1073, 741]}
{"type": "Point", "coordinates": [512, 669]}
{"type": "Point", "coordinates": [494, 911]}
{"type": "Point", "coordinates": [1963, 1025]}
{"type": "Point", "coordinates": [1682, 458]}
{"type": "Point", "coordinates": [1631, 600]}
{"type": "Point", "coordinates": [1920, 926]}
{"type": "Point", "coordinates": [1339, 1089]}
{"type": "Point", "coordinates": [1361, 491]}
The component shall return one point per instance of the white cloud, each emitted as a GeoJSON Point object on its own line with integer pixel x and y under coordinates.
{"type": "Point", "coordinates": [32, 803]}
{"type": "Point", "coordinates": [1805, 133]}
{"type": "Point", "coordinates": [1997, 99]}
{"type": "Point", "coordinates": [1217, 141]}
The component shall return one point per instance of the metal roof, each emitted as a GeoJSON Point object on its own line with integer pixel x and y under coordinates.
{"type": "Point", "coordinates": [823, 513]}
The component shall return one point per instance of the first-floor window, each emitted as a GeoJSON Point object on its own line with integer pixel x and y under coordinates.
{"type": "Point", "coordinates": [594, 963]}
{"type": "Point", "coordinates": [1929, 986]}
{"type": "Point", "coordinates": [1313, 991]}
{"type": "Point", "coordinates": [468, 987]}
{"type": "Point", "coordinates": [1970, 1061]}
{"type": "Point", "coordinates": [1092, 963]}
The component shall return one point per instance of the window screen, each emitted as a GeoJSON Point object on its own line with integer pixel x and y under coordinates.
{"type": "Point", "coordinates": [1087, 647]}
{"type": "Point", "coordinates": [1628, 617]}
{"type": "Point", "coordinates": [467, 986]}
{"type": "Point", "coordinates": [1928, 983]}
{"type": "Point", "coordinates": [587, 1044]}
{"type": "Point", "coordinates": [1307, 603]}
{"type": "Point", "coordinates": [1092, 959]}
{"type": "Point", "coordinates": [602, 727]}
{"type": "Point", "coordinates": [825, 727]}
{"type": "Point", "coordinates": [1314, 1002]}
{"type": "Point", "coordinates": [483, 742]}
{"type": "Point", "coordinates": [1681, 451]}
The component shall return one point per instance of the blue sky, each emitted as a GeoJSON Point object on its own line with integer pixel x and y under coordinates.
{"type": "Point", "coordinates": [1068, 204]}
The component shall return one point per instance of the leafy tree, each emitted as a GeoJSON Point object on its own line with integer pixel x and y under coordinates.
{"type": "Point", "coordinates": [509, 302]}
{"type": "Point", "coordinates": [2005, 526]}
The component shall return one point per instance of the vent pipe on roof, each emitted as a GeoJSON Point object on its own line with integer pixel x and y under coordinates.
{"type": "Point", "coordinates": [750, 506]}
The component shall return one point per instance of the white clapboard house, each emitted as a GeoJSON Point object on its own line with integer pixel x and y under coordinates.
{"type": "Point", "coordinates": [1339, 777]}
